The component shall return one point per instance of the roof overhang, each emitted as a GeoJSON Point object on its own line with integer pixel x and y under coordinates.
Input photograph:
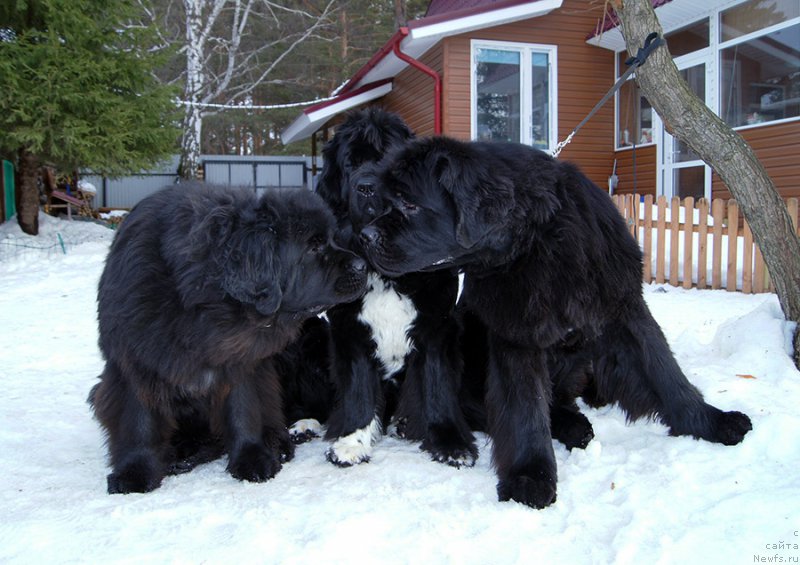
{"type": "Point", "coordinates": [315, 116]}
{"type": "Point", "coordinates": [416, 40]}
{"type": "Point", "coordinates": [424, 33]}
{"type": "Point", "coordinates": [672, 14]}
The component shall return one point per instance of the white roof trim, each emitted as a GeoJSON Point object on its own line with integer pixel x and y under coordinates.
{"type": "Point", "coordinates": [420, 39]}
{"type": "Point", "coordinates": [672, 15]}
{"type": "Point", "coordinates": [486, 19]}
{"type": "Point", "coordinates": [307, 123]}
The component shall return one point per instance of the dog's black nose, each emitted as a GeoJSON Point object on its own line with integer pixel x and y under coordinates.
{"type": "Point", "coordinates": [369, 235]}
{"type": "Point", "coordinates": [358, 265]}
{"type": "Point", "coordinates": [365, 188]}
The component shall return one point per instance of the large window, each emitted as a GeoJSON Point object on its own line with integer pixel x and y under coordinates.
{"type": "Point", "coordinates": [514, 93]}
{"type": "Point", "coordinates": [759, 62]}
{"type": "Point", "coordinates": [634, 113]}
{"type": "Point", "coordinates": [752, 51]}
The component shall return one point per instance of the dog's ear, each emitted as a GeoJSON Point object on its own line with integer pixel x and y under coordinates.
{"type": "Point", "coordinates": [266, 221]}
{"type": "Point", "coordinates": [482, 199]}
{"type": "Point", "coordinates": [198, 275]}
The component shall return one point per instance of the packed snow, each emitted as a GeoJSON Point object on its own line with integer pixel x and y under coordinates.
{"type": "Point", "coordinates": [635, 495]}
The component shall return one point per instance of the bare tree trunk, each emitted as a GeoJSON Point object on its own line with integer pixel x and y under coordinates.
{"type": "Point", "coordinates": [400, 14]}
{"type": "Point", "coordinates": [345, 34]}
{"type": "Point", "coordinates": [195, 79]}
{"type": "Point", "coordinates": [28, 192]}
{"type": "Point", "coordinates": [687, 118]}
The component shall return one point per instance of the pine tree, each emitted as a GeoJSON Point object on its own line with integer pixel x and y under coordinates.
{"type": "Point", "coordinates": [78, 91]}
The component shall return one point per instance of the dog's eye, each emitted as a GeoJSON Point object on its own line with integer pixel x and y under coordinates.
{"type": "Point", "coordinates": [405, 204]}
{"type": "Point", "coordinates": [315, 245]}
{"type": "Point", "coordinates": [236, 256]}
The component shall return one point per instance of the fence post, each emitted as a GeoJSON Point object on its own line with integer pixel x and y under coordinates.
{"type": "Point", "coordinates": [674, 240]}
{"type": "Point", "coordinates": [647, 266]}
{"type": "Point", "coordinates": [747, 259]}
{"type": "Point", "coordinates": [717, 214]}
{"type": "Point", "coordinates": [702, 244]}
{"type": "Point", "coordinates": [733, 242]}
{"type": "Point", "coordinates": [661, 226]}
{"type": "Point", "coordinates": [688, 241]}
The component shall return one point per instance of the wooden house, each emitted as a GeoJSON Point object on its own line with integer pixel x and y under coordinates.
{"type": "Point", "coordinates": [531, 71]}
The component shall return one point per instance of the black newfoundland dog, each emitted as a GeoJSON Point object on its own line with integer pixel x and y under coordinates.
{"type": "Point", "coordinates": [548, 261]}
{"type": "Point", "coordinates": [401, 337]}
{"type": "Point", "coordinates": [201, 288]}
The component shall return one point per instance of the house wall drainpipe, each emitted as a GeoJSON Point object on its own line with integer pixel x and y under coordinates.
{"type": "Point", "coordinates": [437, 80]}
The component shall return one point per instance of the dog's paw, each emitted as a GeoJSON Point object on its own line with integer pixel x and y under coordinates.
{"type": "Point", "coordinates": [253, 463]}
{"type": "Point", "coordinates": [712, 424]}
{"type": "Point", "coordinates": [204, 454]}
{"type": "Point", "coordinates": [397, 428]}
{"type": "Point", "coordinates": [354, 448]}
{"type": "Point", "coordinates": [731, 427]}
{"type": "Point", "coordinates": [281, 443]}
{"type": "Point", "coordinates": [457, 458]}
{"type": "Point", "coordinates": [305, 430]}
{"type": "Point", "coordinates": [447, 446]}
{"type": "Point", "coordinates": [573, 429]}
{"type": "Point", "coordinates": [536, 492]}
{"type": "Point", "coordinates": [136, 476]}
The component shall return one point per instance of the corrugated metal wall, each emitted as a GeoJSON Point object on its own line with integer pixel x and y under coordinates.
{"type": "Point", "coordinates": [262, 173]}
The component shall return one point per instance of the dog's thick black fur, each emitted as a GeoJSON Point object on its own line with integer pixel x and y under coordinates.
{"type": "Point", "coordinates": [201, 288]}
{"type": "Point", "coordinates": [403, 327]}
{"type": "Point", "coordinates": [552, 272]}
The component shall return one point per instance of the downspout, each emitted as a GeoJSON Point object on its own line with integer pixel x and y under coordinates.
{"type": "Point", "coordinates": [437, 80]}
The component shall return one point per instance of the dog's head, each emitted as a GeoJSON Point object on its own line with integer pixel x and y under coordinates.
{"type": "Point", "coordinates": [275, 254]}
{"type": "Point", "coordinates": [364, 137]}
{"type": "Point", "coordinates": [447, 203]}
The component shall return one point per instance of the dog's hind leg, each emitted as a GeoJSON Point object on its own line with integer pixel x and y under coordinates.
{"type": "Point", "coordinates": [136, 434]}
{"type": "Point", "coordinates": [519, 423]}
{"type": "Point", "coordinates": [635, 368]}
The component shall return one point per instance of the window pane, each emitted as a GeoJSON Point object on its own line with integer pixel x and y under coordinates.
{"type": "Point", "coordinates": [696, 79]}
{"type": "Point", "coordinates": [688, 39]}
{"type": "Point", "coordinates": [498, 92]}
{"type": "Point", "coordinates": [760, 78]}
{"type": "Point", "coordinates": [635, 116]}
{"type": "Point", "coordinates": [690, 181]}
{"type": "Point", "coordinates": [540, 88]}
{"type": "Point", "coordinates": [754, 15]}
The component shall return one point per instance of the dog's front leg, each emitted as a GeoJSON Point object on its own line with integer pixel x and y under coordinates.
{"type": "Point", "coordinates": [252, 455]}
{"type": "Point", "coordinates": [519, 423]}
{"type": "Point", "coordinates": [354, 424]}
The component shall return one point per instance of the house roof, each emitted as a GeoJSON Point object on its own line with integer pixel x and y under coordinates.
{"type": "Point", "coordinates": [451, 17]}
{"type": "Point", "coordinates": [672, 14]}
{"type": "Point", "coordinates": [443, 19]}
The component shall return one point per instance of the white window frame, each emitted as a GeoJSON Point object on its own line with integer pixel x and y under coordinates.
{"type": "Point", "coordinates": [525, 50]}
{"type": "Point", "coordinates": [714, 56]}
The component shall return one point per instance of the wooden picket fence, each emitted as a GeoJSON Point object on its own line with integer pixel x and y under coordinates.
{"type": "Point", "coordinates": [692, 244]}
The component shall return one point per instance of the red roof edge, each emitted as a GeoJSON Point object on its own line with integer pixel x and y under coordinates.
{"type": "Point", "coordinates": [375, 59]}
{"type": "Point", "coordinates": [345, 95]}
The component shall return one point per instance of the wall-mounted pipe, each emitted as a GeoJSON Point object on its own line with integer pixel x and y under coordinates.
{"type": "Point", "coordinates": [437, 79]}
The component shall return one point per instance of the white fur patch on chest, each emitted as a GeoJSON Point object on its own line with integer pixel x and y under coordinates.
{"type": "Point", "coordinates": [389, 315]}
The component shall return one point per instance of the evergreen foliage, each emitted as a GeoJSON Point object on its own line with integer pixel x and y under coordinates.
{"type": "Point", "coordinates": [78, 88]}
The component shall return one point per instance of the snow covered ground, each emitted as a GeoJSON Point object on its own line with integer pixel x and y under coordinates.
{"type": "Point", "coordinates": [634, 495]}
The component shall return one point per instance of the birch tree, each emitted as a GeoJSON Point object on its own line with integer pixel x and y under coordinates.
{"type": "Point", "coordinates": [225, 59]}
